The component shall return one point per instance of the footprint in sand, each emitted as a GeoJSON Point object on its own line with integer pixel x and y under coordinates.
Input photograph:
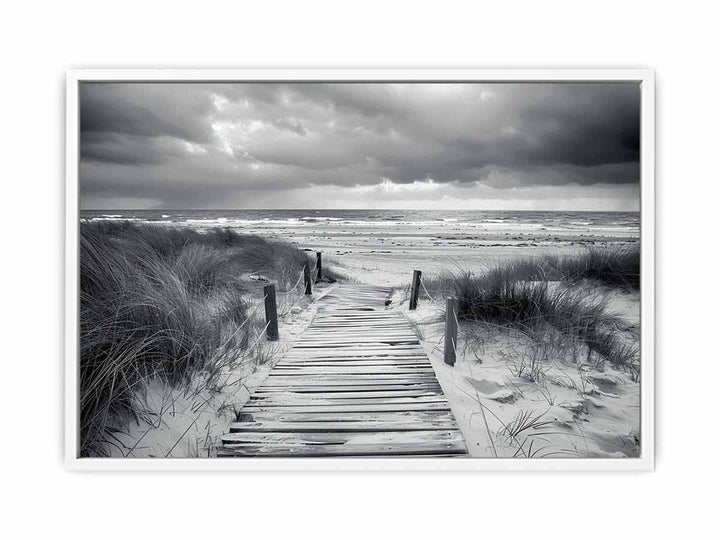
{"type": "Point", "coordinates": [495, 390]}
{"type": "Point", "coordinates": [604, 384]}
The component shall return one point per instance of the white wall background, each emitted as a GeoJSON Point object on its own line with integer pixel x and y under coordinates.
{"type": "Point", "coordinates": [39, 41]}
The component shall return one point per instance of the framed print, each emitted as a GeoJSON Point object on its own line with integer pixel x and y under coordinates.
{"type": "Point", "coordinates": [360, 269]}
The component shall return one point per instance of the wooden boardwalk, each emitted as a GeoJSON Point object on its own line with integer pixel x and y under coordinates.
{"type": "Point", "coordinates": [357, 383]}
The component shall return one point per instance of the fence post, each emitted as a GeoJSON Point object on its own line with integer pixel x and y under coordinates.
{"type": "Point", "coordinates": [415, 291]}
{"type": "Point", "coordinates": [451, 328]}
{"type": "Point", "coordinates": [319, 267]}
{"type": "Point", "coordinates": [308, 279]}
{"type": "Point", "coordinates": [271, 316]}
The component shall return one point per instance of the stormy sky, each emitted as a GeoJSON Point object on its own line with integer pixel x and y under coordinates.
{"type": "Point", "coordinates": [443, 145]}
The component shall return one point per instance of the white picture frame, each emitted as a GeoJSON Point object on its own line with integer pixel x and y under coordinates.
{"type": "Point", "coordinates": [644, 77]}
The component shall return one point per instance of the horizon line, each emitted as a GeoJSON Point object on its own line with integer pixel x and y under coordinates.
{"type": "Point", "coordinates": [335, 209]}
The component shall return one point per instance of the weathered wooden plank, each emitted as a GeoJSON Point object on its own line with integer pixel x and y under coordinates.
{"type": "Point", "coordinates": [358, 376]}
{"type": "Point", "coordinates": [345, 343]}
{"type": "Point", "coordinates": [335, 344]}
{"type": "Point", "coordinates": [370, 317]}
{"type": "Point", "coordinates": [343, 450]}
{"type": "Point", "coordinates": [349, 352]}
{"type": "Point", "coordinates": [276, 377]}
{"type": "Point", "coordinates": [374, 319]}
{"type": "Point", "coordinates": [356, 329]}
{"type": "Point", "coordinates": [354, 358]}
{"type": "Point", "coordinates": [356, 336]}
{"type": "Point", "coordinates": [380, 407]}
{"type": "Point", "coordinates": [363, 347]}
{"type": "Point", "coordinates": [365, 313]}
{"type": "Point", "coordinates": [353, 332]}
{"type": "Point", "coordinates": [353, 362]}
{"type": "Point", "coordinates": [351, 370]}
{"type": "Point", "coordinates": [414, 350]}
{"type": "Point", "coordinates": [347, 380]}
{"type": "Point", "coordinates": [278, 415]}
{"type": "Point", "coordinates": [298, 400]}
{"type": "Point", "coordinates": [374, 323]}
{"type": "Point", "coordinates": [331, 387]}
{"type": "Point", "coordinates": [341, 308]}
{"type": "Point", "coordinates": [367, 394]}
{"type": "Point", "coordinates": [360, 321]}
{"type": "Point", "coordinates": [439, 437]}
{"type": "Point", "coordinates": [445, 424]}
{"type": "Point", "coordinates": [359, 337]}
{"type": "Point", "coordinates": [361, 360]}
{"type": "Point", "coordinates": [328, 356]}
{"type": "Point", "coordinates": [379, 340]}
{"type": "Point", "coordinates": [291, 382]}
{"type": "Point", "coordinates": [345, 332]}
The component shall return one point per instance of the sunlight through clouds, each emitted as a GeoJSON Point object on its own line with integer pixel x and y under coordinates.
{"type": "Point", "coordinates": [388, 186]}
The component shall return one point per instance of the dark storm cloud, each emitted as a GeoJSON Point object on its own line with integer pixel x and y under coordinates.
{"type": "Point", "coordinates": [120, 148]}
{"type": "Point", "coordinates": [146, 110]}
{"type": "Point", "coordinates": [190, 142]}
{"type": "Point", "coordinates": [526, 124]}
{"type": "Point", "coordinates": [587, 125]}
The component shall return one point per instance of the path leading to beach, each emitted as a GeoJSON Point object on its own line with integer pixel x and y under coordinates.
{"type": "Point", "coordinates": [358, 383]}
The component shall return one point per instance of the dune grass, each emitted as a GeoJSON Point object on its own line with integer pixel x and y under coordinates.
{"type": "Point", "coordinates": [518, 294]}
{"type": "Point", "coordinates": [615, 266]}
{"type": "Point", "coordinates": [163, 303]}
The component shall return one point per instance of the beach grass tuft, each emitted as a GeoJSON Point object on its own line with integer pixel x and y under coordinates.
{"type": "Point", "coordinates": [616, 266]}
{"type": "Point", "coordinates": [522, 294]}
{"type": "Point", "coordinates": [163, 303]}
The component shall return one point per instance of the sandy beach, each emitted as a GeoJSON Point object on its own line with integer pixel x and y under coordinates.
{"type": "Point", "coordinates": [573, 408]}
{"type": "Point", "coordinates": [384, 247]}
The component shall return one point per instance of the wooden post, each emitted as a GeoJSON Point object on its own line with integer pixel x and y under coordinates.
{"type": "Point", "coordinates": [308, 279]}
{"type": "Point", "coordinates": [451, 328]}
{"type": "Point", "coordinates": [415, 291]}
{"type": "Point", "coordinates": [271, 316]}
{"type": "Point", "coordinates": [319, 267]}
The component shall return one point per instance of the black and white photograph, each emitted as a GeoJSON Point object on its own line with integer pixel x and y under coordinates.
{"type": "Point", "coordinates": [381, 270]}
{"type": "Point", "coordinates": [361, 268]}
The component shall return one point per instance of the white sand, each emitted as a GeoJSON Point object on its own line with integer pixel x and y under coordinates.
{"type": "Point", "coordinates": [580, 412]}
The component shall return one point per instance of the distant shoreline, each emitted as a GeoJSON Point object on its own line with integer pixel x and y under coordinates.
{"type": "Point", "coordinates": [95, 210]}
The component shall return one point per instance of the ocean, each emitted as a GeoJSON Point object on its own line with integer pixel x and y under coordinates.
{"type": "Point", "coordinates": [609, 224]}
